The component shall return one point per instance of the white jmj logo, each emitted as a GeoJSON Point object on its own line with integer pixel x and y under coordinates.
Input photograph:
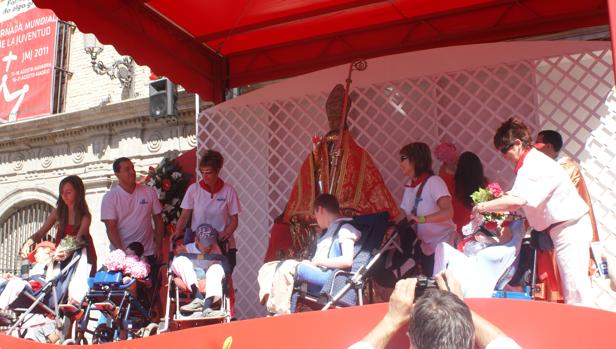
{"type": "Point", "coordinates": [11, 96]}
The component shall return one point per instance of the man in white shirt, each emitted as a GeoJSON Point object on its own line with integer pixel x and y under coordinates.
{"type": "Point", "coordinates": [128, 211]}
{"type": "Point", "coordinates": [439, 318]}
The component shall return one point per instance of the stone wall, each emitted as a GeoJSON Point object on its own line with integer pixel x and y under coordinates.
{"type": "Point", "coordinates": [36, 155]}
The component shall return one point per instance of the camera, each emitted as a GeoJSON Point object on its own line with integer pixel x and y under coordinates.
{"type": "Point", "coordinates": [423, 283]}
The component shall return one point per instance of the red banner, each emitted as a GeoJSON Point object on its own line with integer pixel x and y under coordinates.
{"type": "Point", "coordinates": [27, 50]}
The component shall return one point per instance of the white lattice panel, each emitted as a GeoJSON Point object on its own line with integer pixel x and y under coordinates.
{"type": "Point", "coordinates": [574, 96]}
{"type": "Point", "coordinates": [265, 142]}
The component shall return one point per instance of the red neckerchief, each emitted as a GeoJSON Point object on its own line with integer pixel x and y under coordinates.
{"type": "Point", "coordinates": [217, 187]}
{"type": "Point", "coordinates": [521, 160]}
{"type": "Point", "coordinates": [417, 181]}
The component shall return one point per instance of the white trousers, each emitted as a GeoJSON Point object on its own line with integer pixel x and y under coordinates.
{"type": "Point", "coordinates": [477, 274]}
{"type": "Point", "coordinates": [78, 286]}
{"type": "Point", "coordinates": [11, 292]}
{"type": "Point", "coordinates": [571, 246]}
{"type": "Point", "coordinates": [184, 269]}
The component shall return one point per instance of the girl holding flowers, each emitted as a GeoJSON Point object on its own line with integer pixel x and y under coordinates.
{"type": "Point", "coordinates": [72, 217]}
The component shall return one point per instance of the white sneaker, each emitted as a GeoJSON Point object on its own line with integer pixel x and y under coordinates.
{"type": "Point", "coordinates": [194, 306]}
{"type": "Point", "coordinates": [211, 313]}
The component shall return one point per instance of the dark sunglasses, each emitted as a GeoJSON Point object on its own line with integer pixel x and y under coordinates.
{"type": "Point", "coordinates": [506, 148]}
{"type": "Point", "coordinates": [403, 157]}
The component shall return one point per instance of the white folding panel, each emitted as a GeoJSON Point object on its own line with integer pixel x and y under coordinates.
{"type": "Point", "coordinates": [264, 141]}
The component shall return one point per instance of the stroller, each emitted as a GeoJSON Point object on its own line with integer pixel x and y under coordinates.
{"type": "Point", "coordinates": [178, 294]}
{"type": "Point", "coordinates": [39, 310]}
{"type": "Point", "coordinates": [123, 315]}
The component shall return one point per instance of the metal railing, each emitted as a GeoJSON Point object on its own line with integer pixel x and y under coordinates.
{"type": "Point", "coordinates": [16, 229]}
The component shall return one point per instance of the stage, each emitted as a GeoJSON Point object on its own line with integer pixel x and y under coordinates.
{"type": "Point", "coordinates": [532, 324]}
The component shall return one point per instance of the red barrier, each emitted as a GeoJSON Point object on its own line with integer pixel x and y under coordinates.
{"type": "Point", "coordinates": [531, 324]}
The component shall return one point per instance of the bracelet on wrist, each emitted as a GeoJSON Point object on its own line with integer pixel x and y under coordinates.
{"type": "Point", "coordinates": [421, 219]}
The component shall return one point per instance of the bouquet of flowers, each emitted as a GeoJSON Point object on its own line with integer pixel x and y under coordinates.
{"type": "Point", "coordinates": [170, 183]}
{"type": "Point", "coordinates": [131, 265]}
{"type": "Point", "coordinates": [70, 244]}
{"type": "Point", "coordinates": [488, 223]}
{"type": "Point", "coordinates": [491, 192]}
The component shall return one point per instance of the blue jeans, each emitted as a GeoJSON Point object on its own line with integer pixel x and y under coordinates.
{"type": "Point", "coordinates": [314, 276]}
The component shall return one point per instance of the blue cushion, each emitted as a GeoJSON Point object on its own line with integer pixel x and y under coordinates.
{"type": "Point", "coordinates": [105, 278]}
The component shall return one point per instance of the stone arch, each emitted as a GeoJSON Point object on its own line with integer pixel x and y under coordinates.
{"type": "Point", "coordinates": [23, 196]}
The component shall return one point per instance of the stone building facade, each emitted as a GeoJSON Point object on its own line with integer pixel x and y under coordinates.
{"type": "Point", "coordinates": [101, 121]}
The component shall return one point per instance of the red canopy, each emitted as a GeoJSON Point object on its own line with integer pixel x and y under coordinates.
{"type": "Point", "coordinates": [207, 46]}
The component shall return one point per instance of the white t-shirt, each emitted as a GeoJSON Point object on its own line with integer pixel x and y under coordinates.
{"type": "Point", "coordinates": [133, 212]}
{"type": "Point", "coordinates": [430, 234]}
{"type": "Point", "coordinates": [202, 263]}
{"type": "Point", "coordinates": [550, 195]}
{"type": "Point", "coordinates": [215, 210]}
{"type": "Point", "coordinates": [346, 232]}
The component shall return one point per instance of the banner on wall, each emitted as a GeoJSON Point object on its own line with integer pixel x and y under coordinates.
{"type": "Point", "coordinates": [27, 50]}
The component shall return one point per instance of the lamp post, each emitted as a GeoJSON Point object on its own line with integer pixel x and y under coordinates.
{"type": "Point", "coordinates": [122, 68]}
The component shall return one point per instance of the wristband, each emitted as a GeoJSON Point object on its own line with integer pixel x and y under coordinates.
{"type": "Point", "coordinates": [421, 219]}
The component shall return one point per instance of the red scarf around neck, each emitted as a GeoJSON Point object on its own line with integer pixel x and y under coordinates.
{"type": "Point", "coordinates": [217, 187]}
{"type": "Point", "coordinates": [417, 181]}
{"type": "Point", "coordinates": [521, 161]}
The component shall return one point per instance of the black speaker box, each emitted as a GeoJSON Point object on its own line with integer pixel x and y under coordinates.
{"type": "Point", "coordinates": [163, 97]}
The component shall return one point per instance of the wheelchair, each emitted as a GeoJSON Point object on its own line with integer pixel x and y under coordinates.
{"type": "Point", "coordinates": [122, 314]}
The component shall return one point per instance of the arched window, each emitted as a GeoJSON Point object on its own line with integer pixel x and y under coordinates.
{"type": "Point", "coordinates": [16, 227]}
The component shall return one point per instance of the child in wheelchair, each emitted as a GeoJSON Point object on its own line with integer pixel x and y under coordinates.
{"type": "Point", "coordinates": [118, 293]}
{"type": "Point", "coordinates": [35, 296]}
{"type": "Point", "coordinates": [41, 270]}
{"type": "Point", "coordinates": [198, 260]}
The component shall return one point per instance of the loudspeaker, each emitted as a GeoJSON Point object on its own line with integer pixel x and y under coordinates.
{"type": "Point", "coordinates": [163, 97]}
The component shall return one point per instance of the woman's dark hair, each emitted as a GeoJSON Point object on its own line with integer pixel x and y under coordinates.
{"type": "Point", "coordinates": [511, 130]}
{"type": "Point", "coordinates": [81, 206]}
{"type": "Point", "coordinates": [469, 177]}
{"type": "Point", "coordinates": [212, 159]}
{"type": "Point", "coordinates": [136, 247]}
{"type": "Point", "coordinates": [419, 154]}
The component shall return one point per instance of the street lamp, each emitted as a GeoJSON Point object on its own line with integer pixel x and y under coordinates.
{"type": "Point", "coordinates": [122, 68]}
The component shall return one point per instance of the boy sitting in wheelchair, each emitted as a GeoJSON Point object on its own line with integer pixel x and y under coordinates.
{"type": "Point", "coordinates": [334, 250]}
{"type": "Point", "coordinates": [201, 259]}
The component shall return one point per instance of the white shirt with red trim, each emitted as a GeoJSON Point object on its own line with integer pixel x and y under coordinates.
{"type": "Point", "coordinates": [133, 213]}
{"type": "Point", "coordinates": [430, 234]}
{"type": "Point", "coordinates": [550, 196]}
{"type": "Point", "coordinates": [214, 209]}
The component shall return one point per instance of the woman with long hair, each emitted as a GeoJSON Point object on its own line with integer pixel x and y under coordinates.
{"type": "Point", "coordinates": [72, 217]}
{"type": "Point", "coordinates": [468, 178]}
